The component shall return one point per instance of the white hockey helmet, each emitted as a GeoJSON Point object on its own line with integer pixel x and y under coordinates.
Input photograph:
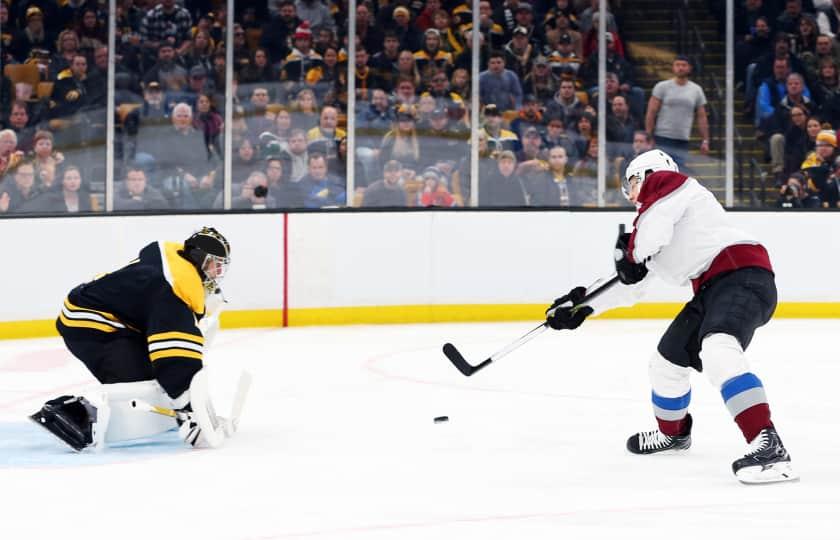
{"type": "Point", "coordinates": [644, 164]}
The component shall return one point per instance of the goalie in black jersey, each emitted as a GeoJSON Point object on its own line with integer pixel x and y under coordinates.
{"type": "Point", "coordinates": [138, 331]}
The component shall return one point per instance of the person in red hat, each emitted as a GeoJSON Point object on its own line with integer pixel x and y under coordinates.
{"type": "Point", "coordinates": [302, 58]}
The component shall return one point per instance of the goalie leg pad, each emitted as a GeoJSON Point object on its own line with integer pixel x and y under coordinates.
{"type": "Point", "coordinates": [72, 419]}
{"type": "Point", "coordinates": [126, 422]}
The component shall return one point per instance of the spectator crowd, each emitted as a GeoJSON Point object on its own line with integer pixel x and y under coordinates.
{"type": "Point", "coordinates": [787, 62]}
{"type": "Point", "coordinates": [538, 94]}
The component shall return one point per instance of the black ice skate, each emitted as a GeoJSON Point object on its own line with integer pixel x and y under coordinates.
{"type": "Point", "coordinates": [767, 461]}
{"type": "Point", "coordinates": [71, 419]}
{"type": "Point", "coordinates": [654, 442]}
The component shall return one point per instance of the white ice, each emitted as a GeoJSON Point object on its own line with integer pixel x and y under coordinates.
{"type": "Point", "coordinates": [337, 442]}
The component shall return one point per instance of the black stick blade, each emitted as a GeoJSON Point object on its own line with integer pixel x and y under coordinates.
{"type": "Point", "coordinates": [460, 362]}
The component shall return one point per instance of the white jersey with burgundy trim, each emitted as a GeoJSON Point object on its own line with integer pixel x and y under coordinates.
{"type": "Point", "coordinates": [680, 233]}
{"type": "Point", "coordinates": [679, 230]}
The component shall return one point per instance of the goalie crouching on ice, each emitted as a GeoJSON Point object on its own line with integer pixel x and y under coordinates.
{"type": "Point", "coordinates": [682, 234]}
{"type": "Point", "coordinates": [137, 330]}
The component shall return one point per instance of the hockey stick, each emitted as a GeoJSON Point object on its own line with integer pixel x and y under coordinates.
{"type": "Point", "coordinates": [231, 423]}
{"type": "Point", "coordinates": [141, 405]}
{"type": "Point", "coordinates": [239, 398]}
{"type": "Point", "coordinates": [467, 369]}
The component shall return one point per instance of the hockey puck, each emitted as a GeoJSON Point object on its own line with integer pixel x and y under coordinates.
{"type": "Point", "coordinates": [441, 419]}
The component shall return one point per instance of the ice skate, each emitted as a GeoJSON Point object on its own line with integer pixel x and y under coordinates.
{"type": "Point", "coordinates": [767, 461]}
{"type": "Point", "coordinates": [655, 442]}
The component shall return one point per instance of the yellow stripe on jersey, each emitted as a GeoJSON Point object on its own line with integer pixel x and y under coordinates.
{"type": "Point", "coordinates": [72, 307]}
{"type": "Point", "coordinates": [174, 353]}
{"type": "Point", "coordinates": [176, 335]}
{"type": "Point", "coordinates": [183, 277]}
{"type": "Point", "coordinates": [72, 323]}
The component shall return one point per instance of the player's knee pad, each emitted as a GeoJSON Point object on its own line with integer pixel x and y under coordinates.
{"type": "Point", "coordinates": [666, 378]}
{"type": "Point", "coordinates": [127, 422]}
{"type": "Point", "coordinates": [723, 358]}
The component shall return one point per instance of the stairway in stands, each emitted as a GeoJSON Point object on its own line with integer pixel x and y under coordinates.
{"type": "Point", "coordinates": [652, 35]}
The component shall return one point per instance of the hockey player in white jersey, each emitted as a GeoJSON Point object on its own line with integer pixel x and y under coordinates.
{"type": "Point", "coordinates": [682, 234]}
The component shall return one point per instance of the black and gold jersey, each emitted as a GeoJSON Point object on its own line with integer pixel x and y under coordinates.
{"type": "Point", "coordinates": [160, 297]}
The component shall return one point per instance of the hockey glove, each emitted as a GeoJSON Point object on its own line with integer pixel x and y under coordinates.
{"type": "Point", "coordinates": [567, 312]}
{"type": "Point", "coordinates": [628, 271]}
{"type": "Point", "coordinates": [188, 427]}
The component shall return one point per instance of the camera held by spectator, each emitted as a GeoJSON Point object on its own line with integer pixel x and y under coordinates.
{"type": "Point", "coordinates": [791, 192]}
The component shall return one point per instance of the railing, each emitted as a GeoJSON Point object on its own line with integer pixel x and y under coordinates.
{"type": "Point", "coordinates": [762, 175]}
{"type": "Point", "coordinates": [681, 25]}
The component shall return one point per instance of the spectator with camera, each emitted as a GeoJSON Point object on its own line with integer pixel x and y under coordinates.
{"type": "Point", "coordinates": [791, 192]}
{"type": "Point", "coordinates": [254, 194]}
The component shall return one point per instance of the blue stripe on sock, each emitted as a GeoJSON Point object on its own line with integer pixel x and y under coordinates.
{"type": "Point", "coordinates": [738, 384]}
{"type": "Point", "coordinates": [671, 404]}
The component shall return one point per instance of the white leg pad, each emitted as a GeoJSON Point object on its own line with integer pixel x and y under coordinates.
{"type": "Point", "coordinates": [723, 358]}
{"type": "Point", "coordinates": [668, 379]}
{"type": "Point", "coordinates": [128, 423]}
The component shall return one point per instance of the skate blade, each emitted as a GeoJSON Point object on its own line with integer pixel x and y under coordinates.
{"type": "Point", "coordinates": [775, 472]}
{"type": "Point", "coordinates": [36, 418]}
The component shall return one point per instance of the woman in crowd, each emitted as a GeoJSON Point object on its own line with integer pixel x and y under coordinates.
{"type": "Point", "coordinates": [208, 121]}
{"type": "Point", "coordinates": [806, 35]}
{"type": "Point", "coordinates": [70, 198]}
{"type": "Point", "coordinates": [407, 68]}
{"type": "Point", "coordinates": [245, 161]}
{"type": "Point", "coordinates": [584, 131]}
{"type": "Point", "coordinates": [92, 34]}
{"type": "Point", "coordinates": [200, 52]}
{"type": "Point", "coordinates": [328, 78]}
{"type": "Point", "coordinates": [796, 140]}
{"type": "Point", "coordinates": [259, 70]}
{"type": "Point", "coordinates": [66, 48]}
{"type": "Point", "coordinates": [45, 158]}
{"type": "Point", "coordinates": [305, 114]}
{"type": "Point", "coordinates": [401, 143]}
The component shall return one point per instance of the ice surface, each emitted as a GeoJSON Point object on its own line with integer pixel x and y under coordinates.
{"type": "Point", "coordinates": [337, 441]}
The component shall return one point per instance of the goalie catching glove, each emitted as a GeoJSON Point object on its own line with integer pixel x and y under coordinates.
{"type": "Point", "coordinates": [198, 424]}
{"type": "Point", "coordinates": [629, 272]}
{"type": "Point", "coordinates": [567, 312]}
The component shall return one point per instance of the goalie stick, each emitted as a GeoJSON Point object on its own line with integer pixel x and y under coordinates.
{"type": "Point", "coordinates": [468, 369]}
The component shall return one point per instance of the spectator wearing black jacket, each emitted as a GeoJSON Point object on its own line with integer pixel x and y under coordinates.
{"type": "Point", "coordinates": [502, 186]}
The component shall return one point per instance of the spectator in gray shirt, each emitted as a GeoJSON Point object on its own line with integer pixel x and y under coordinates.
{"type": "Point", "coordinates": [674, 104]}
{"type": "Point", "coordinates": [500, 86]}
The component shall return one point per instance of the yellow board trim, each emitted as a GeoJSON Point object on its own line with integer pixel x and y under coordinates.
{"type": "Point", "coordinates": [174, 353]}
{"type": "Point", "coordinates": [417, 314]}
{"type": "Point", "coordinates": [75, 323]}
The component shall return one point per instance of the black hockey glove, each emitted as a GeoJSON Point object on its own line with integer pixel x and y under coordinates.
{"type": "Point", "coordinates": [628, 271]}
{"type": "Point", "coordinates": [567, 312]}
{"type": "Point", "coordinates": [188, 427]}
